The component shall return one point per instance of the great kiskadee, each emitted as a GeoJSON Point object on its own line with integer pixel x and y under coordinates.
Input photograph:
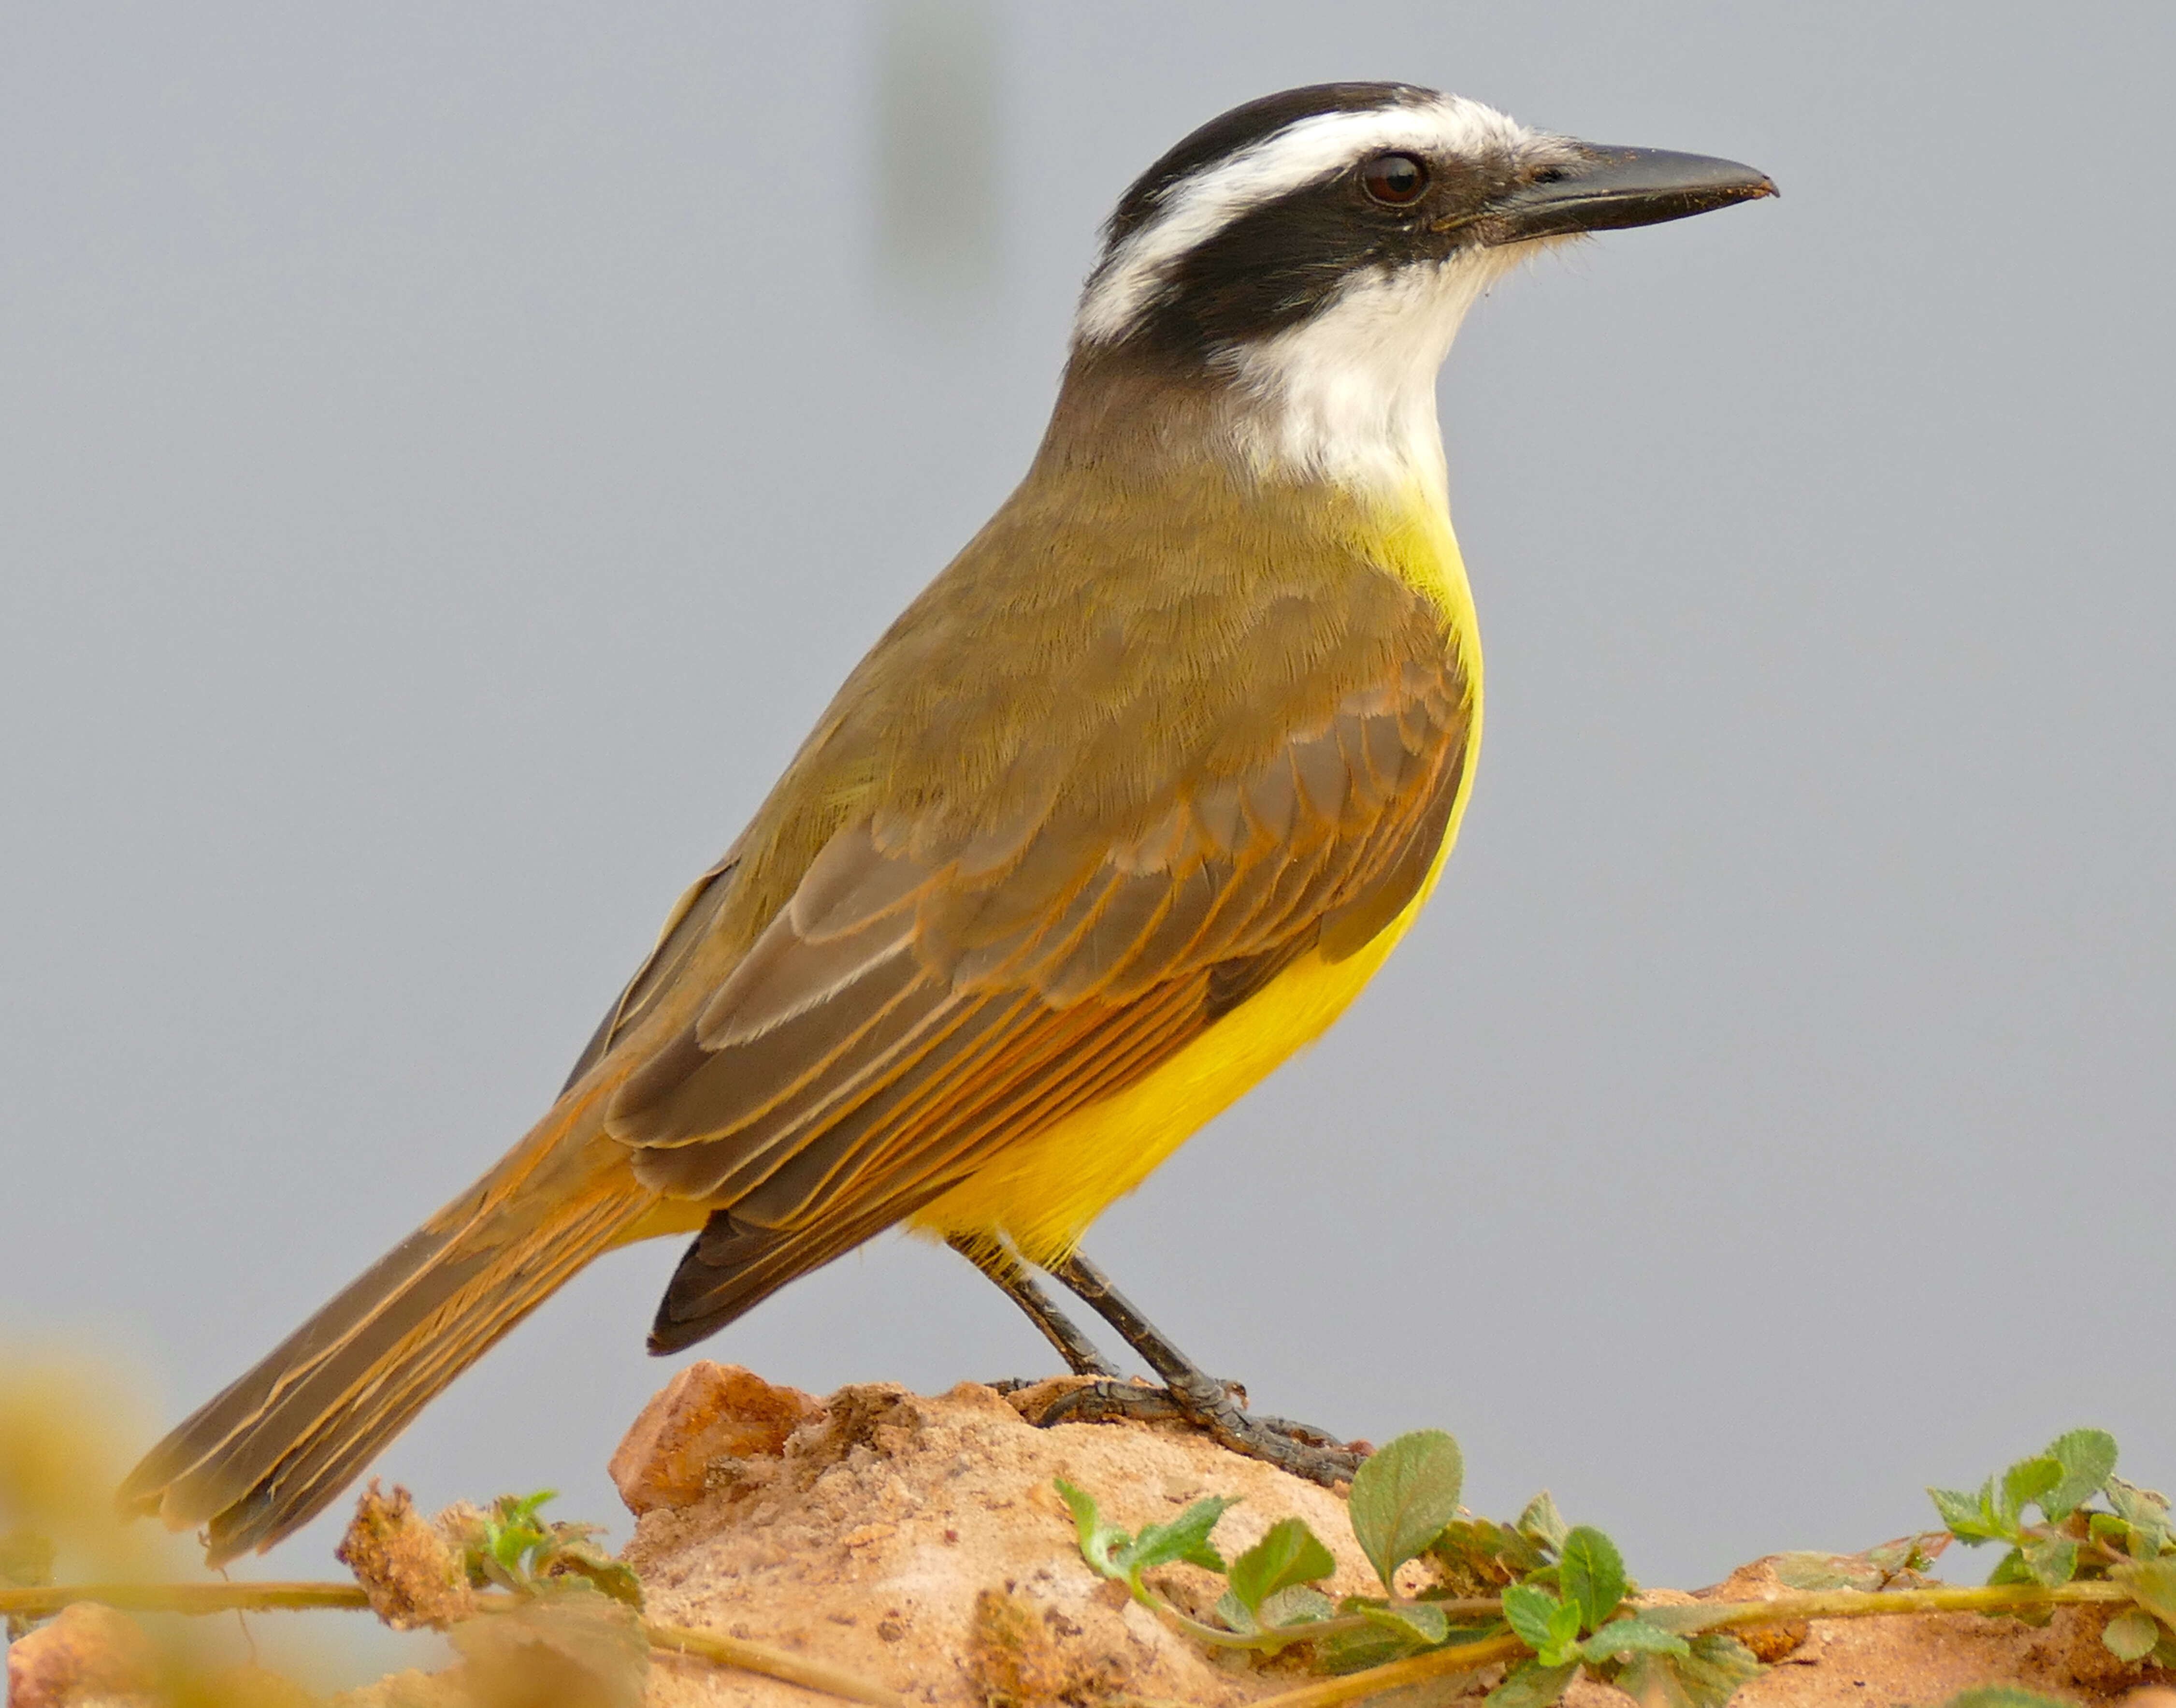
{"type": "Point", "coordinates": [1124, 809]}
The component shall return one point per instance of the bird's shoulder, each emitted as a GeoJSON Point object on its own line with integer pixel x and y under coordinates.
{"type": "Point", "coordinates": [1111, 649]}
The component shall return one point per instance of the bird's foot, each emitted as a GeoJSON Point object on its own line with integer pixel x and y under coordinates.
{"type": "Point", "coordinates": [1218, 1409]}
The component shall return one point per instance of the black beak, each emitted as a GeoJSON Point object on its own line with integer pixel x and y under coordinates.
{"type": "Point", "coordinates": [1605, 189]}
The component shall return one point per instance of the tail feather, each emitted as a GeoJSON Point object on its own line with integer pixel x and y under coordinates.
{"type": "Point", "coordinates": [733, 1266]}
{"type": "Point", "coordinates": [194, 1444]}
{"type": "Point", "coordinates": [275, 1448]}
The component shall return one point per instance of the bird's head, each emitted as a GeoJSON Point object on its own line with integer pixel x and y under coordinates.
{"type": "Point", "coordinates": [1304, 261]}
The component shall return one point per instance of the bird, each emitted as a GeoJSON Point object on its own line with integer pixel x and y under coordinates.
{"type": "Point", "coordinates": [1123, 809]}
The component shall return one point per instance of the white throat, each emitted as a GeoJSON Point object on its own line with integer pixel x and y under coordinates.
{"type": "Point", "coordinates": [1349, 395]}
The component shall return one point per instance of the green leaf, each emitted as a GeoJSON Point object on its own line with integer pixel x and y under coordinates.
{"type": "Point", "coordinates": [2145, 1511]}
{"type": "Point", "coordinates": [512, 1531]}
{"type": "Point", "coordinates": [1970, 1518]}
{"type": "Point", "coordinates": [1800, 1570]}
{"type": "Point", "coordinates": [2152, 1585]}
{"type": "Point", "coordinates": [1632, 1636]}
{"type": "Point", "coordinates": [1592, 1574]}
{"type": "Point", "coordinates": [2135, 1504]}
{"type": "Point", "coordinates": [1236, 1614]}
{"type": "Point", "coordinates": [2088, 1457]}
{"type": "Point", "coordinates": [1372, 1645]}
{"type": "Point", "coordinates": [1548, 1626]}
{"type": "Point", "coordinates": [1563, 1636]}
{"type": "Point", "coordinates": [2051, 1560]}
{"type": "Point", "coordinates": [1530, 1684]}
{"type": "Point", "coordinates": [1531, 1613]}
{"type": "Point", "coordinates": [2132, 1636]}
{"type": "Point", "coordinates": [1403, 1495]}
{"type": "Point", "coordinates": [512, 1547]}
{"type": "Point", "coordinates": [1706, 1677]}
{"type": "Point", "coordinates": [1296, 1604]}
{"type": "Point", "coordinates": [1478, 1556]}
{"type": "Point", "coordinates": [613, 1578]}
{"type": "Point", "coordinates": [1099, 1542]}
{"type": "Point", "coordinates": [1186, 1538]}
{"type": "Point", "coordinates": [1542, 1523]}
{"type": "Point", "coordinates": [2014, 1569]}
{"type": "Point", "coordinates": [1288, 1554]}
{"type": "Point", "coordinates": [1423, 1622]}
{"type": "Point", "coordinates": [1686, 1619]}
{"type": "Point", "coordinates": [1906, 1555]}
{"type": "Point", "coordinates": [1875, 1569]}
{"type": "Point", "coordinates": [2028, 1481]}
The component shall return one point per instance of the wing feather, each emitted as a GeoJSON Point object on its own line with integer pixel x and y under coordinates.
{"type": "Point", "coordinates": [919, 1001]}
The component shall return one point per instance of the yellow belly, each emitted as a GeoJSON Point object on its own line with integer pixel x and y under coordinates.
{"type": "Point", "coordinates": [1044, 1192]}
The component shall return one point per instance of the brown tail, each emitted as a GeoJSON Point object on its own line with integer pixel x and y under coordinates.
{"type": "Point", "coordinates": [277, 1447]}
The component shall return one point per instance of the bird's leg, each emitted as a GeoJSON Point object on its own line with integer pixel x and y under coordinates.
{"type": "Point", "coordinates": [1011, 1274]}
{"type": "Point", "coordinates": [1215, 1406]}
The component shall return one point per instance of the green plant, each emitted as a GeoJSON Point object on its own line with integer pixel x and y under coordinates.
{"type": "Point", "coordinates": [1401, 1498]}
{"type": "Point", "coordinates": [1563, 1588]}
{"type": "Point", "coordinates": [2126, 1542]}
{"type": "Point", "coordinates": [1551, 1600]}
{"type": "Point", "coordinates": [511, 1547]}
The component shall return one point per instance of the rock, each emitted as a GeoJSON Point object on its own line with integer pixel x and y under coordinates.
{"type": "Point", "coordinates": [87, 1653]}
{"type": "Point", "coordinates": [706, 1413]}
{"type": "Point", "coordinates": [917, 1543]}
{"type": "Point", "coordinates": [1757, 1581]}
{"type": "Point", "coordinates": [1014, 1656]}
{"type": "Point", "coordinates": [404, 1563]}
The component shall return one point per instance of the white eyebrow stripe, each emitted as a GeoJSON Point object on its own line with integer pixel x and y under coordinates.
{"type": "Point", "coordinates": [1195, 207]}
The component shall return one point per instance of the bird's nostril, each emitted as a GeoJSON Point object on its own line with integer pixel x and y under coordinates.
{"type": "Point", "coordinates": [1549, 175]}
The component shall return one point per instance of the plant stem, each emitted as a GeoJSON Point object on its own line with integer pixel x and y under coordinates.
{"type": "Point", "coordinates": [1720, 1616]}
{"type": "Point", "coordinates": [184, 1598]}
{"type": "Point", "coordinates": [265, 1597]}
{"type": "Point", "coordinates": [772, 1663]}
{"type": "Point", "coordinates": [1437, 1663]}
{"type": "Point", "coordinates": [1859, 1604]}
{"type": "Point", "coordinates": [1277, 1638]}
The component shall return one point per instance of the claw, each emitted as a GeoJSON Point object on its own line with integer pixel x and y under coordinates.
{"type": "Point", "coordinates": [1298, 1448]}
{"type": "Point", "coordinates": [1219, 1409]}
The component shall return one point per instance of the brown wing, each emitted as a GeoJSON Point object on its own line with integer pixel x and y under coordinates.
{"type": "Point", "coordinates": [693, 916]}
{"type": "Point", "coordinates": [912, 1009]}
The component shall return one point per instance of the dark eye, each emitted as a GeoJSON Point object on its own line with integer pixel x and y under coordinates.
{"type": "Point", "coordinates": [1396, 181]}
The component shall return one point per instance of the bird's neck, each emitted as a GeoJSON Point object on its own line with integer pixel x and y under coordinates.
{"type": "Point", "coordinates": [1347, 458]}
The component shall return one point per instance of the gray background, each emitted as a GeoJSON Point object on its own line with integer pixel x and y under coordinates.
{"type": "Point", "coordinates": [449, 455]}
